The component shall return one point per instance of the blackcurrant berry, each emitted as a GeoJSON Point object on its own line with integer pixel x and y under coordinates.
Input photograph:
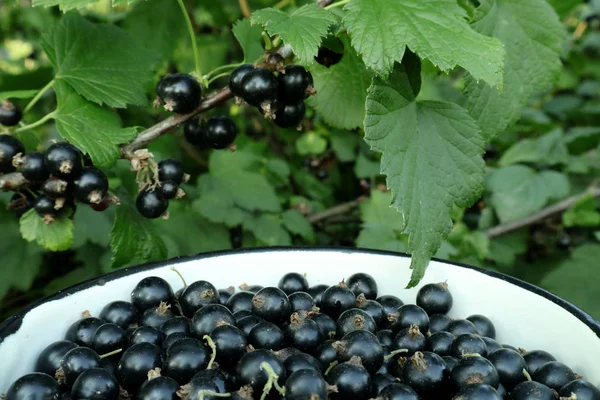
{"type": "Point", "coordinates": [9, 147]}
{"type": "Point", "coordinates": [156, 316]}
{"type": "Point", "coordinates": [398, 391]}
{"type": "Point", "coordinates": [172, 339]}
{"type": "Point", "coordinates": [531, 390]}
{"type": "Point", "coordinates": [290, 115]}
{"type": "Point", "coordinates": [169, 189]}
{"type": "Point", "coordinates": [240, 301]}
{"type": "Point", "coordinates": [146, 334]}
{"type": "Point", "coordinates": [10, 114]}
{"type": "Point", "coordinates": [198, 388]}
{"type": "Point", "coordinates": [301, 301]}
{"type": "Point", "coordinates": [253, 288]}
{"type": "Point", "coordinates": [21, 202]}
{"type": "Point", "coordinates": [161, 387]}
{"type": "Point", "coordinates": [293, 282]}
{"type": "Point", "coordinates": [217, 376]}
{"type": "Point", "coordinates": [170, 170]}
{"type": "Point", "coordinates": [247, 323]}
{"type": "Point", "coordinates": [238, 315]}
{"type": "Point", "coordinates": [82, 331]}
{"type": "Point", "coordinates": [337, 299]}
{"type": "Point", "coordinates": [361, 344]}
{"type": "Point", "coordinates": [90, 186]}
{"type": "Point", "coordinates": [450, 362]}
{"type": "Point", "coordinates": [109, 337]}
{"type": "Point", "coordinates": [491, 344]}
{"type": "Point", "coordinates": [293, 85]}
{"type": "Point", "coordinates": [235, 79]}
{"type": "Point", "coordinates": [209, 317]}
{"type": "Point", "coordinates": [474, 369]}
{"type": "Point", "coordinates": [460, 327]}
{"type": "Point", "coordinates": [272, 304]}
{"type": "Point", "coordinates": [327, 324]}
{"type": "Point", "coordinates": [537, 358]}
{"type": "Point", "coordinates": [56, 188]}
{"type": "Point", "coordinates": [361, 283]}
{"type": "Point", "coordinates": [63, 160]}
{"type": "Point", "coordinates": [510, 366]}
{"type": "Point", "coordinates": [302, 361]}
{"type": "Point", "coordinates": [231, 344]}
{"type": "Point", "coordinates": [440, 343]}
{"type": "Point", "coordinates": [122, 313]}
{"type": "Point", "coordinates": [176, 325]}
{"type": "Point", "coordinates": [352, 380]}
{"type": "Point", "coordinates": [371, 307]}
{"type": "Point", "coordinates": [580, 390]}
{"type": "Point", "coordinates": [303, 333]}
{"type": "Point", "coordinates": [34, 167]}
{"type": "Point", "coordinates": [34, 386]}
{"type": "Point", "coordinates": [250, 372]}
{"type": "Point", "coordinates": [410, 339]}
{"type": "Point", "coordinates": [184, 359]}
{"type": "Point", "coordinates": [328, 57]}
{"type": "Point", "coordinates": [484, 325]}
{"type": "Point", "coordinates": [390, 304]}
{"type": "Point", "coordinates": [426, 373]}
{"type": "Point", "coordinates": [435, 298]}
{"type": "Point", "coordinates": [317, 293]}
{"type": "Point", "coordinates": [197, 295]}
{"type": "Point", "coordinates": [49, 359]}
{"type": "Point", "coordinates": [381, 381]}
{"type": "Point", "coordinates": [355, 319]}
{"type": "Point", "coordinates": [194, 131]}
{"type": "Point", "coordinates": [438, 323]}
{"type": "Point", "coordinates": [468, 344]}
{"type": "Point", "coordinates": [266, 335]}
{"type": "Point", "coordinates": [95, 384]}
{"type": "Point", "coordinates": [259, 86]}
{"type": "Point", "coordinates": [220, 132]}
{"type": "Point", "coordinates": [180, 93]}
{"type": "Point", "coordinates": [410, 314]}
{"type": "Point", "coordinates": [385, 337]}
{"type": "Point", "coordinates": [150, 292]}
{"type": "Point", "coordinates": [135, 364]}
{"type": "Point", "coordinates": [478, 392]}
{"type": "Point", "coordinates": [151, 203]}
{"type": "Point", "coordinates": [225, 294]}
{"type": "Point", "coordinates": [76, 361]}
{"type": "Point", "coordinates": [305, 384]}
{"type": "Point", "coordinates": [554, 374]}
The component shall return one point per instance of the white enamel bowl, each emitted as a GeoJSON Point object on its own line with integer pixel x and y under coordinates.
{"type": "Point", "coordinates": [524, 315]}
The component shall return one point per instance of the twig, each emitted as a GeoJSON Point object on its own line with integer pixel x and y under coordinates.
{"type": "Point", "coordinates": [12, 181]}
{"type": "Point", "coordinates": [245, 8]}
{"type": "Point", "coordinates": [335, 210]}
{"type": "Point", "coordinates": [593, 191]}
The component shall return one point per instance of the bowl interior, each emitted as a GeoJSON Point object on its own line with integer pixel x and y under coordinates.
{"type": "Point", "coordinates": [522, 318]}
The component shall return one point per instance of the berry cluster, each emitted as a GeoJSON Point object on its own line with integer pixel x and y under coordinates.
{"type": "Point", "coordinates": [153, 201]}
{"type": "Point", "coordinates": [294, 342]}
{"type": "Point", "coordinates": [280, 97]}
{"type": "Point", "coordinates": [58, 178]}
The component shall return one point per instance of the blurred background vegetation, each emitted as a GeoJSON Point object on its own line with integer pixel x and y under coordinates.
{"type": "Point", "coordinates": [322, 186]}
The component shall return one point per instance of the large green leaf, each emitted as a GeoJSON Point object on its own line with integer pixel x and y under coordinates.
{"type": "Point", "coordinates": [55, 236]}
{"type": "Point", "coordinates": [381, 30]}
{"type": "Point", "coordinates": [249, 38]}
{"type": "Point", "coordinates": [295, 222]}
{"type": "Point", "coordinates": [65, 5]}
{"type": "Point", "coordinates": [505, 249]}
{"type": "Point", "coordinates": [381, 224]}
{"type": "Point", "coordinates": [582, 213]}
{"type": "Point", "coordinates": [519, 191]}
{"type": "Point", "coordinates": [268, 229]}
{"type": "Point", "coordinates": [94, 130]}
{"type": "Point", "coordinates": [101, 62]}
{"type": "Point", "coordinates": [303, 29]}
{"type": "Point", "coordinates": [431, 154]}
{"type": "Point", "coordinates": [533, 37]}
{"type": "Point", "coordinates": [341, 90]}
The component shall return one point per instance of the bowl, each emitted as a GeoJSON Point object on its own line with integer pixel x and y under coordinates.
{"type": "Point", "coordinates": [525, 315]}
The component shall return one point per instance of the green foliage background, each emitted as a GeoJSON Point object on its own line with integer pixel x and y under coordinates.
{"type": "Point", "coordinates": [537, 107]}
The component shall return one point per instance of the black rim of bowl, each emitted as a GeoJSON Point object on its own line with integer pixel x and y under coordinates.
{"type": "Point", "coordinates": [12, 324]}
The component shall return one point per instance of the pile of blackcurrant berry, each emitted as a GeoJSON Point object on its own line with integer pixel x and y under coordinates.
{"type": "Point", "coordinates": [58, 178]}
{"type": "Point", "coordinates": [293, 341]}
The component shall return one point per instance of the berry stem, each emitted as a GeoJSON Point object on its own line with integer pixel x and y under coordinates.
{"type": "Point", "coordinates": [333, 364]}
{"type": "Point", "coordinates": [180, 276]}
{"type": "Point", "coordinates": [222, 68]}
{"type": "Point", "coordinates": [190, 27]}
{"type": "Point", "coordinates": [245, 9]}
{"type": "Point", "coordinates": [394, 353]}
{"type": "Point", "coordinates": [267, 39]}
{"type": "Point", "coordinates": [112, 353]}
{"type": "Point", "coordinates": [282, 4]}
{"type": "Point", "coordinates": [272, 382]}
{"type": "Point", "coordinates": [214, 78]}
{"type": "Point", "coordinates": [41, 121]}
{"type": "Point", "coordinates": [38, 96]}
{"type": "Point", "coordinates": [338, 4]}
{"type": "Point", "coordinates": [527, 375]}
{"type": "Point", "coordinates": [210, 393]}
{"type": "Point", "coordinates": [213, 347]}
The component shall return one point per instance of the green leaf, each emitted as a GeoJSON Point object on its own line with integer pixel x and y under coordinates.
{"type": "Point", "coordinates": [583, 138]}
{"type": "Point", "coordinates": [101, 62]}
{"type": "Point", "coordinates": [519, 191]}
{"type": "Point", "coordinates": [505, 249]}
{"type": "Point", "coordinates": [437, 30]}
{"type": "Point", "coordinates": [92, 227]}
{"type": "Point", "coordinates": [431, 154]}
{"type": "Point", "coordinates": [379, 238]}
{"type": "Point", "coordinates": [311, 186]}
{"type": "Point", "coordinates": [524, 27]}
{"type": "Point", "coordinates": [216, 202]}
{"type": "Point", "coordinates": [249, 38]}
{"type": "Point", "coordinates": [549, 149]}
{"type": "Point", "coordinates": [563, 7]}
{"type": "Point", "coordinates": [572, 279]}
{"type": "Point", "coordinates": [18, 94]}
{"type": "Point", "coordinates": [268, 229]}
{"type": "Point", "coordinates": [94, 130]}
{"type": "Point", "coordinates": [377, 212]}
{"type": "Point", "coordinates": [303, 29]}
{"type": "Point", "coordinates": [344, 145]}
{"type": "Point", "coordinates": [296, 222]}
{"type": "Point", "coordinates": [55, 236]}
{"type": "Point", "coordinates": [366, 168]}
{"type": "Point", "coordinates": [156, 25]}
{"type": "Point", "coordinates": [134, 239]}
{"type": "Point", "coordinates": [311, 143]}
{"type": "Point", "coordinates": [65, 5]}
{"type": "Point", "coordinates": [597, 235]}
{"type": "Point", "coordinates": [341, 90]}
{"type": "Point", "coordinates": [582, 213]}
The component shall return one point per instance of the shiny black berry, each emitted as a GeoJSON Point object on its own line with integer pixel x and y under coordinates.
{"type": "Point", "coordinates": [361, 283]}
{"type": "Point", "coordinates": [484, 326]}
{"type": "Point", "coordinates": [410, 314]}
{"type": "Point", "coordinates": [151, 203]}
{"type": "Point", "coordinates": [63, 160]}
{"type": "Point", "coordinates": [385, 337]}
{"type": "Point", "coordinates": [580, 390]}
{"type": "Point", "coordinates": [162, 387]}
{"type": "Point", "coordinates": [169, 189]}
{"type": "Point", "coordinates": [478, 392]}
{"type": "Point", "coordinates": [156, 316]}
{"type": "Point", "coordinates": [380, 381]}
{"type": "Point", "coordinates": [266, 335]}
{"type": "Point", "coordinates": [122, 313]}
{"type": "Point", "coordinates": [209, 317]}
{"type": "Point", "coordinates": [170, 170]}
{"type": "Point", "coordinates": [554, 374]}
{"type": "Point", "coordinates": [109, 337]}
{"type": "Point", "coordinates": [82, 331]}
{"type": "Point", "coordinates": [34, 167]}
{"type": "Point", "coordinates": [34, 386]}
{"type": "Point", "coordinates": [176, 325]}
{"type": "Point", "coordinates": [301, 301]}
{"type": "Point", "coordinates": [398, 391]}
{"type": "Point", "coordinates": [9, 147]}
{"type": "Point", "coordinates": [235, 79]}
{"type": "Point", "coordinates": [435, 298]}
{"type": "Point", "coordinates": [247, 323]}
{"type": "Point", "coordinates": [180, 93]}
{"type": "Point", "coordinates": [220, 132]}
{"type": "Point", "coordinates": [361, 344]}
{"type": "Point", "coordinates": [90, 186]}
{"type": "Point", "coordinates": [259, 86]}
{"type": "Point", "coordinates": [327, 324]}
{"type": "Point", "coordinates": [293, 282]}
{"type": "Point", "coordinates": [56, 188]}
{"type": "Point", "coordinates": [302, 361]}
{"type": "Point", "coordinates": [240, 301]}
{"type": "Point", "coordinates": [474, 369]}
{"type": "Point", "coordinates": [146, 334]}
{"type": "Point", "coordinates": [390, 304]}
{"type": "Point", "coordinates": [352, 380]}
{"type": "Point", "coordinates": [450, 362]}
{"type": "Point", "coordinates": [135, 364]}
{"type": "Point", "coordinates": [317, 293]}
{"type": "Point", "coordinates": [337, 299]}
{"type": "Point", "coordinates": [231, 344]}
{"type": "Point", "coordinates": [250, 372]}
{"type": "Point", "coordinates": [290, 115]}
{"type": "Point", "coordinates": [76, 361]}
{"type": "Point", "coordinates": [225, 294]}
{"type": "Point", "coordinates": [272, 304]}
{"type": "Point", "coordinates": [194, 131]}
{"type": "Point", "coordinates": [218, 377]}
{"type": "Point", "coordinates": [306, 384]}
{"type": "Point", "coordinates": [49, 359]}
{"type": "Point", "coordinates": [95, 384]}
{"type": "Point", "coordinates": [410, 339]}
{"type": "Point", "coordinates": [468, 344]}
{"type": "Point", "coordinates": [328, 57]}
{"type": "Point", "coordinates": [438, 323]}
{"type": "Point", "coordinates": [537, 358]}
{"type": "Point", "coordinates": [426, 373]}
{"type": "Point", "coordinates": [199, 387]}
{"type": "Point", "coordinates": [510, 366]}
{"type": "Point", "coordinates": [531, 390]}
{"type": "Point", "coordinates": [460, 327]}
{"type": "Point", "coordinates": [355, 319]}
{"type": "Point", "coordinates": [150, 292]}
{"type": "Point", "coordinates": [294, 83]}
{"type": "Point", "coordinates": [172, 339]}
{"type": "Point", "coordinates": [303, 333]}
{"type": "Point", "coordinates": [440, 343]}
{"type": "Point", "coordinates": [196, 296]}
{"type": "Point", "coordinates": [184, 359]}
{"type": "Point", "coordinates": [491, 344]}
{"type": "Point", "coordinates": [10, 114]}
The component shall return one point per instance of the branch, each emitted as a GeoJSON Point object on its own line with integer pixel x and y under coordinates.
{"type": "Point", "coordinates": [335, 210]}
{"type": "Point", "coordinates": [593, 191]}
{"type": "Point", "coordinates": [12, 181]}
